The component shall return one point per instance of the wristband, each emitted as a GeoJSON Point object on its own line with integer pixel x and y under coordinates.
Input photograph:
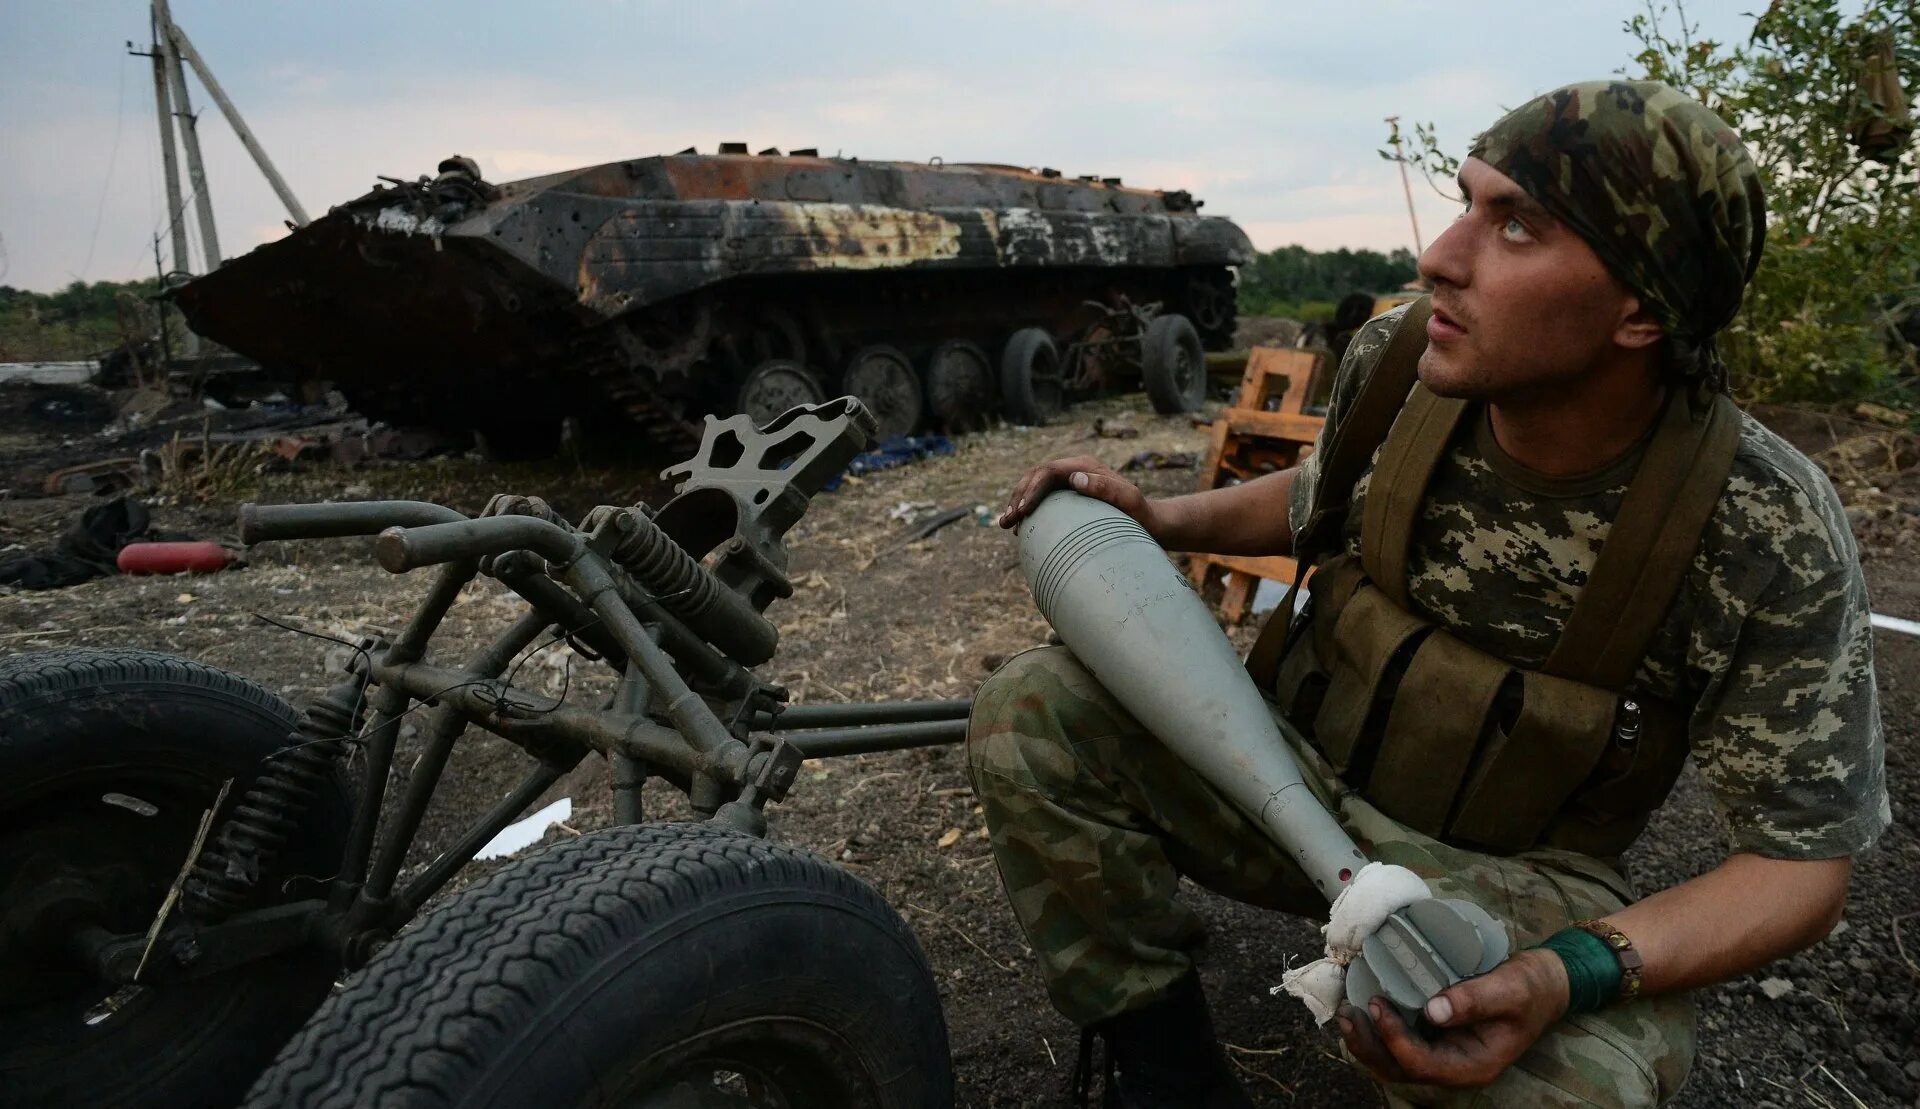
{"type": "Point", "coordinates": [1631, 964]}
{"type": "Point", "coordinates": [1593, 973]}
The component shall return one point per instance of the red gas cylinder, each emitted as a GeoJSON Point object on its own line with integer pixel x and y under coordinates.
{"type": "Point", "coordinates": [172, 558]}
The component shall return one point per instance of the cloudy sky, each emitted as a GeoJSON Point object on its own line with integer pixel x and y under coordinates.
{"type": "Point", "coordinates": [1269, 111]}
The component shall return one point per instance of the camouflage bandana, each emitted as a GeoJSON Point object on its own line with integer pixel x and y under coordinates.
{"type": "Point", "coordinates": [1659, 186]}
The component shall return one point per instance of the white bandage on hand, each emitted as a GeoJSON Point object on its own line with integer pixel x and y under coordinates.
{"type": "Point", "coordinates": [1377, 892]}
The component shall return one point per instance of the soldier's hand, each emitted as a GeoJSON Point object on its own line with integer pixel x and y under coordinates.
{"type": "Point", "coordinates": [1480, 1026]}
{"type": "Point", "coordinates": [1083, 474]}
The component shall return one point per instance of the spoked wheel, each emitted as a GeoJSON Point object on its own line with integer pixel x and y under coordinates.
{"type": "Point", "coordinates": [1030, 380]}
{"type": "Point", "coordinates": [960, 391]}
{"type": "Point", "coordinates": [882, 377]}
{"type": "Point", "coordinates": [775, 386]}
{"type": "Point", "coordinates": [657, 966]}
{"type": "Point", "coordinates": [1173, 366]}
{"type": "Point", "coordinates": [108, 759]}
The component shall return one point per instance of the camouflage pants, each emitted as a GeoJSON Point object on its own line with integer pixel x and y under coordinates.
{"type": "Point", "coordinates": [1094, 822]}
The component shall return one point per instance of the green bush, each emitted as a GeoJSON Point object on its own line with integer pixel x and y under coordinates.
{"type": "Point", "coordinates": [1292, 280]}
{"type": "Point", "coordinates": [80, 321]}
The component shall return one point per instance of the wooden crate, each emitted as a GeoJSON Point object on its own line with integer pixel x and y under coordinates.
{"type": "Point", "coordinates": [1265, 431]}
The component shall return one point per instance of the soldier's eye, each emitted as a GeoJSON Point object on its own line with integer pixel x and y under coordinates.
{"type": "Point", "coordinates": [1516, 231]}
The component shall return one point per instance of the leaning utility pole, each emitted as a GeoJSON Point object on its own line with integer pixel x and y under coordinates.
{"type": "Point", "coordinates": [189, 138]}
{"type": "Point", "coordinates": [185, 49]}
{"type": "Point", "coordinates": [169, 159]}
{"type": "Point", "coordinates": [1401, 157]}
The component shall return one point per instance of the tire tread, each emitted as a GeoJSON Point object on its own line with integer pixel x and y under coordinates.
{"type": "Point", "coordinates": [402, 1033]}
{"type": "Point", "coordinates": [35, 674]}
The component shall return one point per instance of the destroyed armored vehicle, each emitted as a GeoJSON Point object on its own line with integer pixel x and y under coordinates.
{"type": "Point", "coordinates": [665, 288]}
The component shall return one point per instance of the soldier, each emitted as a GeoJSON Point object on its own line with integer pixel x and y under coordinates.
{"type": "Point", "coordinates": [1570, 563]}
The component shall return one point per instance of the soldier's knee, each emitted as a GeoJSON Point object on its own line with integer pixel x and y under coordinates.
{"type": "Point", "coordinates": [1020, 731]}
{"type": "Point", "coordinates": [1007, 700]}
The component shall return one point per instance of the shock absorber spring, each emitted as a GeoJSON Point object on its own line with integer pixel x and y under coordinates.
{"type": "Point", "coordinates": [684, 587]}
{"type": "Point", "coordinates": [244, 850]}
{"type": "Point", "coordinates": [682, 584]}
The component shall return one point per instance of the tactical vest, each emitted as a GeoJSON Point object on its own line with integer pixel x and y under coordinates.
{"type": "Point", "coordinates": [1440, 735]}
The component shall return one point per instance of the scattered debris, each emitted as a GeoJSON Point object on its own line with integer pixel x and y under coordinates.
{"type": "Point", "coordinates": [897, 451]}
{"type": "Point", "coordinates": [1104, 428]}
{"type": "Point", "coordinates": [49, 373]}
{"type": "Point", "coordinates": [934, 523]}
{"type": "Point", "coordinates": [1775, 988]}
{"type": "Point", "coordinates": [523, 834]}
{"type": "Point", "coordinates": [1163, 460]}
{"type": "Point", "coordinates": [173, 558]}
{"type": "Point", "coordinates": [1880, 414]}
{"type": "Point", "coordinates": [87, 550]}
{"type": "Point", "coordinates": [109, 475]}
{"type": "Point", "coordinates": [1872, 461]}
{"type": "Point", "coordinates": [907, 510]}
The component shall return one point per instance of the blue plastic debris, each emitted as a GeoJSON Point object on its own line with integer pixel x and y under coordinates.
{"type": "Point", "coordinates": [897, 451]}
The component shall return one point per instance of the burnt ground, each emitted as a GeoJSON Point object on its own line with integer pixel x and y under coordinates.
{"type": "Point", "coordinates": [875, 618]}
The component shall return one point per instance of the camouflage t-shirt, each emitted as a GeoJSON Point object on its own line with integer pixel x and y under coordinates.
{"type": "Point", "coordinates": [1769, 638]}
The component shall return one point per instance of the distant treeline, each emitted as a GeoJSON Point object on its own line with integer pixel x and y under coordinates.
{"type": "Point", "coordinates": [1306, 284]}
{"type": "Point", "coordinates": [80, 321]}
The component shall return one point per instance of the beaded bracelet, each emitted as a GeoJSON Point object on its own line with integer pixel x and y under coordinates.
{"type": "Point", "coordinates": [1617, 942]}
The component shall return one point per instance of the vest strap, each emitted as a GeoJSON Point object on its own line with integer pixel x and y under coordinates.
{"type": "Point", "coordinates": [1412, 452]}
{"type": "Point", "coordinates": [1650, 545]}
{"type": "Point", "coordinates": [1355, 437]}
{"type": "Point", "coordinates": [1332, 585]}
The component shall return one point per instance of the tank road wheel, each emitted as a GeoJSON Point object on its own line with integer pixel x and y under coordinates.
{"type": "Point", "coordinates": [1030, 382]}
{"type": "Point", "coordinates": [108, 759]}
{"type": "Point", "coordinates": [883, 378]}
{"type": "Point", "coordinates": [1173, 366]}
{"type": "Point", "coordinates": [654, 965]}
{"type": "Point", "coordinates": [775, 386]}
{"type": "Point", "coordinates": [960, 394]}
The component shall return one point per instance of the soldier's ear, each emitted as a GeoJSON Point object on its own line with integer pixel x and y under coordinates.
{"type": "Point", "coordinates": [1637, 329]}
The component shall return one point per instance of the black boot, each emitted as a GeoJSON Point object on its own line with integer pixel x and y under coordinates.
{"type": "Point", "coordinates": [1161, 1055]}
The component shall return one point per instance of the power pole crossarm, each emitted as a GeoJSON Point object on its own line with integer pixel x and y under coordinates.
{"type": "Point", "coordinates": [247, 140]}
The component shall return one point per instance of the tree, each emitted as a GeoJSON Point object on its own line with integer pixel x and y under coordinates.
{"type": "Point", "coordinates": [80, 321]}
{"type": "Point", "coordinates": [1295, 281]}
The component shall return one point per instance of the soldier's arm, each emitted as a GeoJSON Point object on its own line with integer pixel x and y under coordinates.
{"type": "Point", "coordinates": [1253, 518]}
{"type": "Point", "coordinates": [1713, 928]}
{"type": "Point", "coordinates": [1246, 519]}
{"type": "Point", "coordinates": [1702, 931]}
{"type": "Point", "coordinates": [1788, 740]}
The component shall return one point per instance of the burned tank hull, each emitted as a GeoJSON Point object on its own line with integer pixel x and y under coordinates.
{"type": "Point", "coordinates": [680, 285]}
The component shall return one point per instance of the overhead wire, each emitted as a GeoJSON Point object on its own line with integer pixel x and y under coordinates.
{"type": "Point", "coordinates": [113, 160]}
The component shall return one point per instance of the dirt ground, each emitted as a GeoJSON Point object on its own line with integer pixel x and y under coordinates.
{"type": "Point", "coordinates": [878, 618]}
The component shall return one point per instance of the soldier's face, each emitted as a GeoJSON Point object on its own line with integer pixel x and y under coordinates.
{"type": "Point", "coordinates": [1521, 304]}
